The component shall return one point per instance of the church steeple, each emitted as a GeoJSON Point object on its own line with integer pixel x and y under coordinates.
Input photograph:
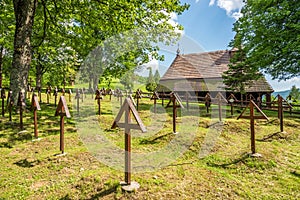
{"type": "Point", "coordinates": [178, 50]}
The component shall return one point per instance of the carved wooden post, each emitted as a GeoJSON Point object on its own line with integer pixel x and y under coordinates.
{"type": "Point", "coordinates": [36, 106]}
{"type": "Point", "coordinates": [110, 93]}
{"type": "Point", "coordinates": [207, 102]}
{"type": "Point", "coordinates": [55, 93]}
{"type": "Point", "coordinates": [77, 97]}
{"type": "Point", "coordinates": [252, 117]}
{"type": "Point", "coordinates": [173, 99]}
{"type": "Point", "coordinates": [138, 96]}
{"type": "Point", "coordinates": [63, 92]}
{"type": "Point", "coordinates": [82, 95]}
{"type": "Point", "coordinates": [128, 107]}
{"type": "Point", "coordinates": [231, 99]}
{"type": "Point", "coordinates": [154, 97]}
{"type": "Point", "coordinates": [280, 112]}
{"type": "Point", "coordinates": [21, 104]}
{"type": "Point", "coordinates": [98, 98]}
{"type": "Point", "coordinates": [48, 91]}
{"type": "Point", "coordinates": [3, 99]}
{"type": "Point", "coordinates": [62, 111]}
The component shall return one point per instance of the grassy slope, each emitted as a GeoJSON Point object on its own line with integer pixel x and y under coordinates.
{"type": "Point", "coordinates": [32, 170]}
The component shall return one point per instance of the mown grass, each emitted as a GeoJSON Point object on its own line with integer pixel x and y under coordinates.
{"type": "Point", "coordinates": [212, 160]}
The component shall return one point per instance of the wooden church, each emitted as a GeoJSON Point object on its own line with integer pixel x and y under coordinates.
{"type": "Point", "coordinates": [200, 73]}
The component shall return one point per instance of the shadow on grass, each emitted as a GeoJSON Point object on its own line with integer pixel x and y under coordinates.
{"type": "Point", "coordinates": [271, 137]}
{"type": "Point", "coordinates": [27, 164]}
{"type": "Point", "coordinates": [155, 140]}
{"type": "Point", "coordinates": [104, 193]}
{"type": "Point", "coordinates": [295, 174]}
{"type": "Point", "coordinates": [241, 159]}
{"type": "Point", "coordinates": [13, 138]}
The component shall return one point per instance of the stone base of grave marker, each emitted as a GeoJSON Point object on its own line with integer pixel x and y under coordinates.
{"type": "Point", "coordinates": [130, 188]}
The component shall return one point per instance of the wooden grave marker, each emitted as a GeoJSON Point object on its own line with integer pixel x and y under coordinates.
{"type": "Point", "coordinates": [207, 102]}
{"type": "Point", "coordinates": [155, 96]}
{"type": "Point", "coordinates": [55, 93]}
{"type": "Point", "coordinates": [231, 99]}
{"type": "Point", "coordinates": [3, 96]}
{"type": "Point", "coordinates": [173, 99]}
{"type": "Point", "coordinates": [48, 91]}
{"type": "Point", "coordinates": [40, 95]}
{"type": "Point", "coordinates": [62, 111]}
{"type": "Point", "coordinates": [35, 106]}
{"type": "Point", "coordinates": [138, 96]}
{"type": "Point", "coordinates": [220, 99]}
{"type": "Point", "coordinates": [98, 97]}
{"type": "Point", "coordinates": [82, 94]}
{"type": "Point", "coordinates": [77, 97]}
{"type": "Point", "coordinates": [187, 97]}
{"type": "Point", "coordinates": [252, 117]}
{"type": "Point", "coordinates": [128, 108]}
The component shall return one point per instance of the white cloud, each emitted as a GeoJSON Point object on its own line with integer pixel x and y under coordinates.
{"type": "Point", "coordinates": [232, 7]}
{"type": "Point", "coordinates": [211, 3]}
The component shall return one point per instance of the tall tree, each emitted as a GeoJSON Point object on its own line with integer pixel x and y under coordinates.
{"type": "Point", "coordinates": [156, 76]}
{"type": "Point", "coordinates": [295, 93]}
{"type": "Point", "coordinates": [84, 24]}
{"type": "Point", "coordinates": [24, 15]}
{"type": "Point", "coordinates": [267, 33]}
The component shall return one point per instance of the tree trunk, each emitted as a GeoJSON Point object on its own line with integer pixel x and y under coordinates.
{"type": "Point", "coordinates": [24, 12]}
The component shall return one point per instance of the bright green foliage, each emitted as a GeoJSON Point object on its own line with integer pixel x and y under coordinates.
{"type": "Point", "coordinates": [295, 93]}
{"type": "Point", "coordinates": [66, 32]}
{"type": "Point", "coordinates": [268, 33]}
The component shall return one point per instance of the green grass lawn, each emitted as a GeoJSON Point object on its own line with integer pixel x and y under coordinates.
{"type": "Point", "coordinates": [207, 159]}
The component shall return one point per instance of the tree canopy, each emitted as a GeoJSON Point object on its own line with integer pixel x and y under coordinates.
{"type": "Point", "coordinates": [46, 30]}
{"type": "Point", "coordinates": [268, 36]}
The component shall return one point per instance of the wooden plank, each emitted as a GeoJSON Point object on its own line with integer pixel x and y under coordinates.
{"type": "Point", "coordinates": [255, 117]}
{"type": "Point", "coordinates": [129, 126]}
{"type": "Point", "coordinates": [178, 99]}
{"type": "Point", "coordinates": [259, 110]}
{"type": "Point", "coordinates": [35, 102]}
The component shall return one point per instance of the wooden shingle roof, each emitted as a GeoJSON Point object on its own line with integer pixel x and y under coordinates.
{"type": "Point", "coordinates": [201, 69]}
{"type": "Point", "coordinates": [198, 65]}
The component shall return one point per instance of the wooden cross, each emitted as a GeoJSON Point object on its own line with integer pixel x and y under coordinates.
{"type": "Point", "coordinates": [36, 106]}
{"type": "Point", "coordinates": [155, 96]}
{"type": "Point", "coordinates": [221, 99]}
{"type": "Point", "coordinates": [231, 99]}
{"type": "Point", "coordinates": [138, 95]}
{"type": "Point", "coordinates": [128, 108]}
{"type": "Point", "coordinates": [207, 102]}
{"type": "Point", "coordinates": [62, 111]}
{"type": "Point", "coordinates": [77, 96]}
{"type": "Point", "coordinates": [98, 97]}
{"type": "Point", "coordinates": [55, 93]}
{"type": "Point", "coordinates": [174, 98]}
{"type": "Point", "coordinates": [252, 117]}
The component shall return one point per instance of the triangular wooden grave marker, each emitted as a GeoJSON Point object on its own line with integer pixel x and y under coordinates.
{"type": "Point", "coordinates": [175, 98]}
{"type": "Point", "coordinates": [252, 105]}
{"type": "Point", "coordinates": [155, 95]}
{"type": "Point", "coordinates": [35, 102]}
{"type": "Point", "coordinates": [132, 100]}
{"type": "Point", "coordinates": [127, 107]}
{"type": "Point", "coordinates": [220, 97]}
{"type": "Point", "coordinates": [231, 98]}
{"type": "Point", "coordinates": [62, 108]}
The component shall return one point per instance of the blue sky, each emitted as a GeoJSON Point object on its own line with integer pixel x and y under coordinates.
{"type": "Point", "coordinates": [208, 27]}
